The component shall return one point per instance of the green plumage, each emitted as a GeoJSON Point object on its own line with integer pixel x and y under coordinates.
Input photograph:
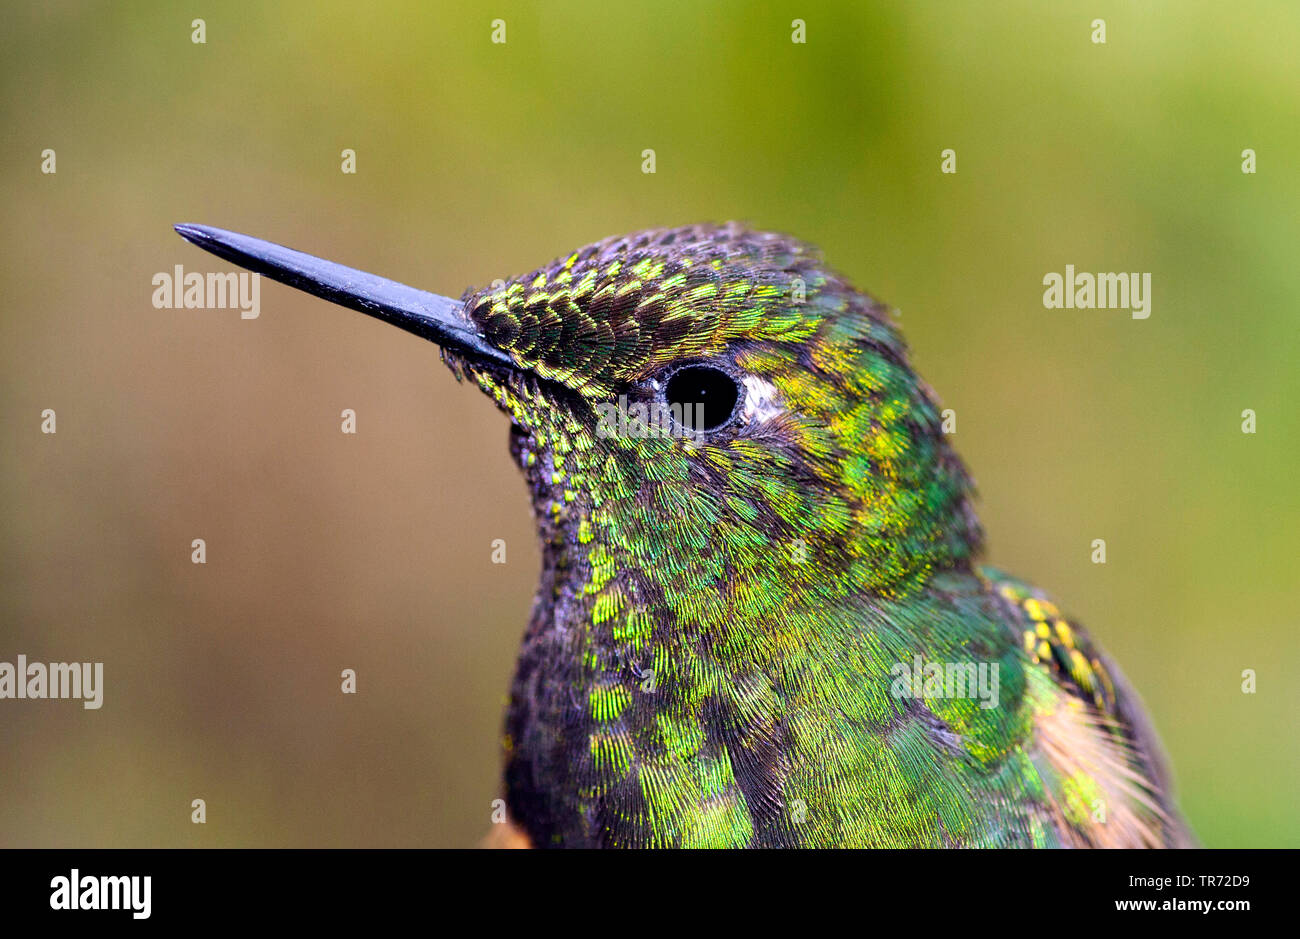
{"type": "Point", "coordinates": [723, 625]}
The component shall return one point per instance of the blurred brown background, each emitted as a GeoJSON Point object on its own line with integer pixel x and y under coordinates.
{"type": "Point", "coordinates": [477, 160]}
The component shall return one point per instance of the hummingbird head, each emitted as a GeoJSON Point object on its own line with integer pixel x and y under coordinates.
{"type": "Point", "coordinates": [707, 416]}
{"type": "Point", "coordinates": [714, 399]}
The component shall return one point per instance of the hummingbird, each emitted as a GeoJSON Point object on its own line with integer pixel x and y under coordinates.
{"type": "Point", "coordinates": [762, 618]}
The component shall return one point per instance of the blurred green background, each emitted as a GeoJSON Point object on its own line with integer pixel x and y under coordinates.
{"type": "Point", "coordinates": [478, 160]}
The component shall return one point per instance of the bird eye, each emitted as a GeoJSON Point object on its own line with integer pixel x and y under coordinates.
{"type": "Point", "coordinates": [706, 395]}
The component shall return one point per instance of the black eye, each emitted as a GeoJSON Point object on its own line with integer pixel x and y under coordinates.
{"type": "Point", "coordinates": [706, 395]}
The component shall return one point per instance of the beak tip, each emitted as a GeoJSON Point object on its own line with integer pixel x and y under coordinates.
{"type": "Point", "coordinates": [195, 234]}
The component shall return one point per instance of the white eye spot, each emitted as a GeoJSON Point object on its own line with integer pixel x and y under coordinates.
{"type": "Point", "coordinates": [762, 400]}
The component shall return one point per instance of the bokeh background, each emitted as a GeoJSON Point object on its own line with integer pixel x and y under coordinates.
{"type": "Point", "coordinates": [478, 160]}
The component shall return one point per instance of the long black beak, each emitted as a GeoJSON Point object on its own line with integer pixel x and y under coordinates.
{"type": "Point", "coordinates": [440, 319]}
